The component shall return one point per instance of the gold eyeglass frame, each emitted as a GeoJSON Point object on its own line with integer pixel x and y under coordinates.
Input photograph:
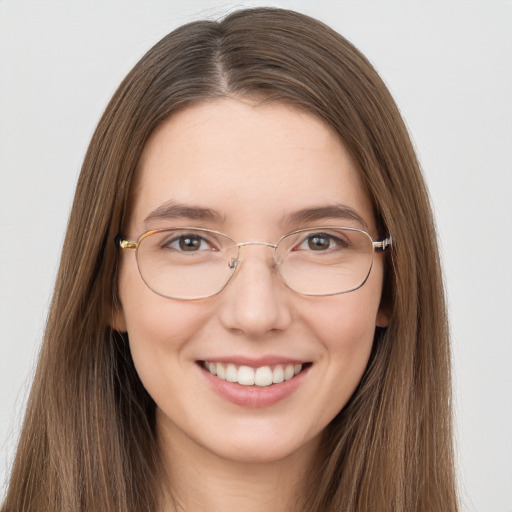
{"type": "Point", "coordinates": [377, 246]}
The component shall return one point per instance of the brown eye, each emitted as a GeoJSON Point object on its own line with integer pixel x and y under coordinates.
{"type": "Point", "coordinates": [189, 243]}
{"type": "Point", "coordinates": [323, 242]}
{"type": "Point", "coordinates": [319, 242]}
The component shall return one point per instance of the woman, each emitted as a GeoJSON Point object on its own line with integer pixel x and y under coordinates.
{"type": "Point", "coordinates": [249, 310]}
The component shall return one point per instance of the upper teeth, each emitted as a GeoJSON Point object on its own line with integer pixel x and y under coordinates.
{"type": "Point", "coordinates": [247, 376]}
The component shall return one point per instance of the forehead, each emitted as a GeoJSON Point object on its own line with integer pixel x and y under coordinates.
{"type": "Point", "coordinates": [251, 163]}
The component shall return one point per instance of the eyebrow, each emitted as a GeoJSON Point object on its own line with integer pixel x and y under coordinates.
{"type": "Point", "coordinates": [173, 210]}
{"type": "Point", "coordinates": [334, 211]}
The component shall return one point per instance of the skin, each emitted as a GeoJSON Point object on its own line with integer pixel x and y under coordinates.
{"type": "Point", "coordinates": [255, 164]}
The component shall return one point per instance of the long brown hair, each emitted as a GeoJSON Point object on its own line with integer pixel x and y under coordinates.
{"type": "Point", "coordinates": [88, 441]}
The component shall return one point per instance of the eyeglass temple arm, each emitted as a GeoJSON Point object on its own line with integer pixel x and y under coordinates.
{"type": "Point", "coordinates": [382, 245]}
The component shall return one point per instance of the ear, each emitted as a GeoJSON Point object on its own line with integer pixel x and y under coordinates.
{"type": "Point", "coordinates": [382, 319]}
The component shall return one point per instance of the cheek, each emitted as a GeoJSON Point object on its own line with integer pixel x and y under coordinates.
{"type": "Point", "coordinates": [345, 328]}
{"type": "Point", "coordinates": [348, 319]}
{"type": "Point", "coordinates": [344, 322]}
{"type": "Point", "coordinates": [157, 327]}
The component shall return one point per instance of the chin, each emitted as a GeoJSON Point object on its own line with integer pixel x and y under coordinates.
{"type": "Point", "coordinates": [264, 445]}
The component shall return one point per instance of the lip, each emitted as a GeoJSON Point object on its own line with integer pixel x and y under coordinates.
{"type": "Point", "coordinates": [254, 396]}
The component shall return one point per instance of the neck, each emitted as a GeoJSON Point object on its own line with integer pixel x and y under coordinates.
{"type": "Point", "coordinates": [202, 481]}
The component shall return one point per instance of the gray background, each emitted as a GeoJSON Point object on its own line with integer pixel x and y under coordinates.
{"type": "Point", "coordinates": [448, 64]}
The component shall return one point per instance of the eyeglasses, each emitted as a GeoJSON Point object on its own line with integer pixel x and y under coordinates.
{"type": "Point", "coordinates": [191, 263]}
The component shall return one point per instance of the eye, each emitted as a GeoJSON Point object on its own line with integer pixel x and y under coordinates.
{"type": "Point", "coordinates": [321, 242]}
{"type": "Point", "coordinates": [189, 243]}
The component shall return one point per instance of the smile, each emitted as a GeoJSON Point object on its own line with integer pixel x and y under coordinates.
{"type": "Point", "coordinates": [261, 376]}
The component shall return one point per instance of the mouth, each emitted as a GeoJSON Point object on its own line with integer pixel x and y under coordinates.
{"type": "Point", "coordinates": [261, 376]}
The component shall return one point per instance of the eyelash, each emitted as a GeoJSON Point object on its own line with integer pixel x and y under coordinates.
{"type": "Point", "coordinates": [177, 239]}
{"type": "Point", "coordinates": [336, 240]}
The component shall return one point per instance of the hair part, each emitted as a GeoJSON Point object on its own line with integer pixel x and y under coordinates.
{"type": "Point", "coordinates": [88, 442]}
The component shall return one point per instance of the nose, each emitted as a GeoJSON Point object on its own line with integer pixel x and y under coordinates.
{"type": "Point", "coordinates": [256, 302]}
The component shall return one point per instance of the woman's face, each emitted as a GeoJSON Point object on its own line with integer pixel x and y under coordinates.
{"type": "Point", "coordinates": [248, 170]}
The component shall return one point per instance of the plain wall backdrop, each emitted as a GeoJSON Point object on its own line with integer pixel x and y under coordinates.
{"type": "Point", "coordinates": [449, 66]}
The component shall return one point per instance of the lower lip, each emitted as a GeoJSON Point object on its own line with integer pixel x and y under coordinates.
{"type": "Point", "coordinates": [254, 396]}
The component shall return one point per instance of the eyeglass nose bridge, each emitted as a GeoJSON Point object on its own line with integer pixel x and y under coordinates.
{"type": "Point", "coordinates": [234, 261]}
{"type": "Point", "coordinates": [268, 244]}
